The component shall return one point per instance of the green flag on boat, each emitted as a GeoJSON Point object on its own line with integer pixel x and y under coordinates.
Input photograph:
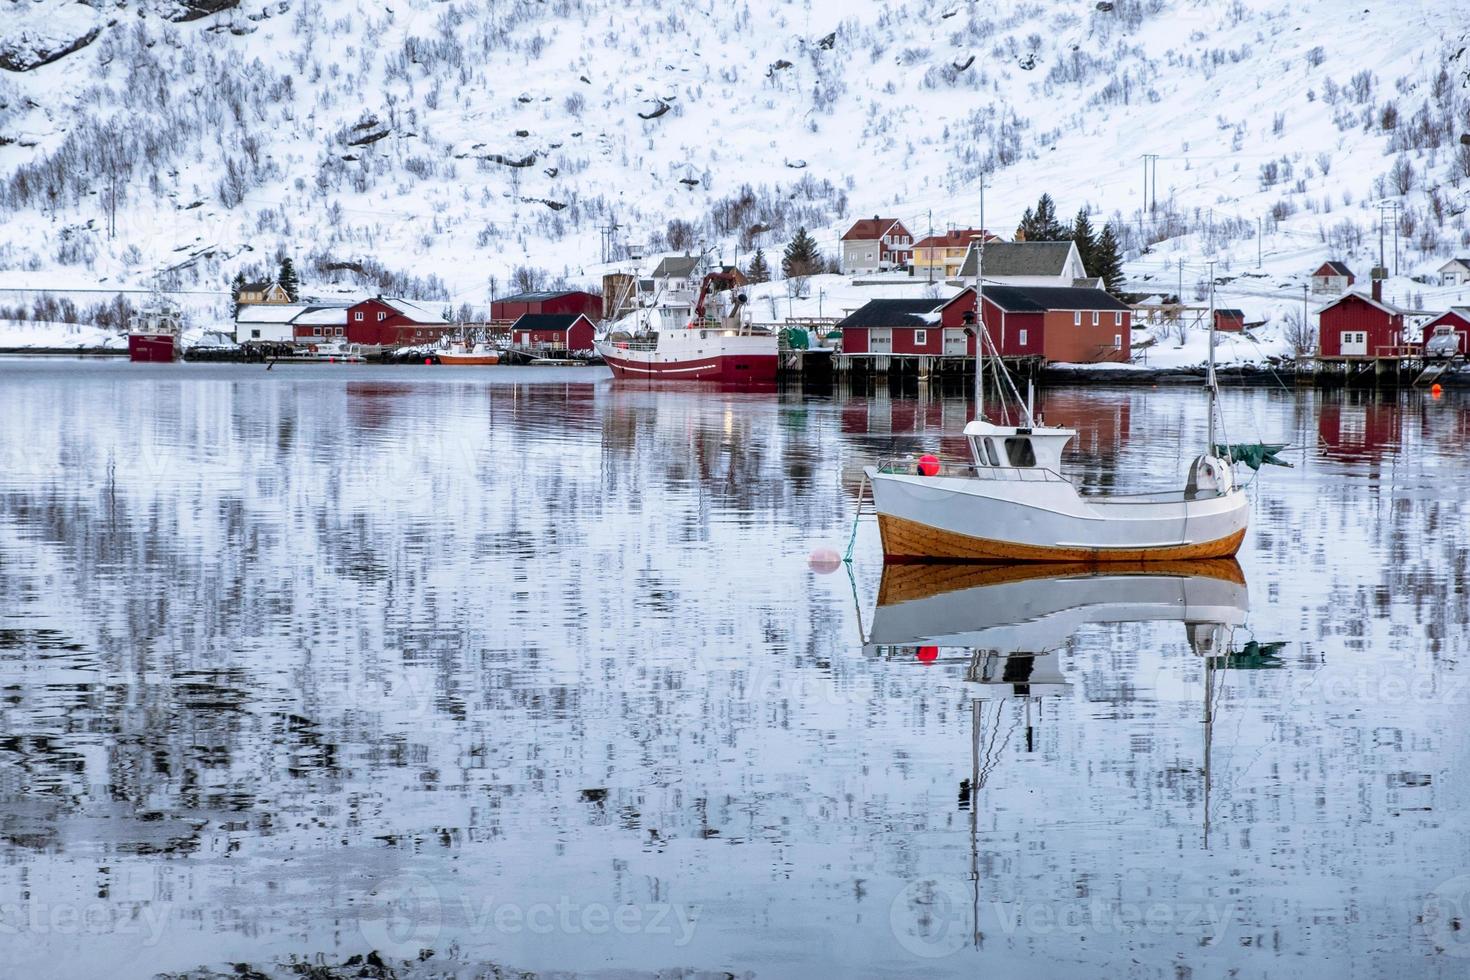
{"type": "Point", "coordinates": [1253, 454]}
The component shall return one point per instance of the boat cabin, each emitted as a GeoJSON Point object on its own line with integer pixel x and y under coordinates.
{"type": "Point", "coordinates": [1013, 447]}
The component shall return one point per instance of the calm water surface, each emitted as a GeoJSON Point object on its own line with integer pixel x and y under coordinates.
{"type": "Point", "coordinates": [531, 669]}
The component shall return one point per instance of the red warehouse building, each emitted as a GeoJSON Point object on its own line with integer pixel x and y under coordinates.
{"type": "Point", "coordinates": [1073, 325]}
{"type": "Point", "coordinates": [393, 323]}
{"type": "Point", "coordinates": [560, 331]}
{"type": "Point", "coordinates": [899, 326]}
{"type": "Point", "coordinates": [1361, 326]}
{"type": "Point", "coordinates": [565, 301]}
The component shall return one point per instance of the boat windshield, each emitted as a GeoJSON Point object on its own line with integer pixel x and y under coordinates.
{"type": "Point", "coordinates": [1019, 452]}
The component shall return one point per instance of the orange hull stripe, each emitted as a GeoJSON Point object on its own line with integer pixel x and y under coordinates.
{"type": "Point", "coordinates": [919, 580]}
{"type": "Point", "coordinates": [905, 540]}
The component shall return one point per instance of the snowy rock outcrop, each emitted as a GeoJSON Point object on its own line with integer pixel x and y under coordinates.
{"type": "Point", "coordinates": [43, 33]}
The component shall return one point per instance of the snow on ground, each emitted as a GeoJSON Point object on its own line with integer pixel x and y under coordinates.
{"type": "Point", "coordinates": [19, 334]}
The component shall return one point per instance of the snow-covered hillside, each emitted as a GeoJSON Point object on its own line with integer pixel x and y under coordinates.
{"type": "Point", "coordinates": [447, 149]}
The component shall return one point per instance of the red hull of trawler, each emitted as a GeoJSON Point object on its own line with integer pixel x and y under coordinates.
{"type": "Point", "coordinates": [747, 369]}
{"type": "Point", "coordinates": [150, 348]}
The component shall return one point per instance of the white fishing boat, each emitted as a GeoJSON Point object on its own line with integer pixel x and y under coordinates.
{"type": "Point", "coordinates": [464, 353]}
{"type": "Point", "coordinates": [674, 341]}
{"type": "Point", "coordinates": [1010, 501]}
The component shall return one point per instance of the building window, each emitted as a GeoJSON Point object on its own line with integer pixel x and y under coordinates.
{"type": "Point", "coordinates": [1077, 318]}
{"type": "Point", "coordinates": [921, 337]}
{"type": "Point", "coordinates": [1021, 338]}
{"type": "Point", "coordinates": [1118, 341]}
{"type": "Point", "coordinates": [1117, 319]}
{"type": "Point", "coordinates": [255, 335]}
{"type": "Point", "coordinates": [339, 331]}
{"type": "Point", "coordinates": [316, 331]}
{"type": "Point", "coordinates": [381, 316]}
{"type": "Point", "coordinates": [1095, 316]}
{"type": "Point", "coordinates": [357, 315]}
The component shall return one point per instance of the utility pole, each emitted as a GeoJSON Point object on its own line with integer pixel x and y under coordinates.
{"type": "Point", "coordinates": [1383, 208]}
{"type": "Point", "coordinates": [931, 246]}
{"type": "Point", "coordinates": [1150, 182]}
{"type": "Point", "coordinates": [1258, 242]}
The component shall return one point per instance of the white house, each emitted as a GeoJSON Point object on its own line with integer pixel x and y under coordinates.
{"type": "Point", "coordinates": [1026, 264]}
{"type": "Point", "coordinates": [266, 323]}
{"type": "Point", "coordinates": [1455, 272]}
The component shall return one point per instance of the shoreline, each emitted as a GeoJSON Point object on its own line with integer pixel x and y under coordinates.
{"type": "Point", "coordinates": [1240, 375]}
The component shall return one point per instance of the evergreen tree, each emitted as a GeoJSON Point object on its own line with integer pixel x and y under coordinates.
{"type": "Point", "coordinates": [759, 270]}
{"type": "Point", "coordinates": [1041, 224]}
{"type": "Point", "coordinates": [1085, 240]}
{"type": "Point", "coordinates": [235, 287]}
{"type": "Point", "coordinates": [1107, 261]}
{"type": "Point", "coordinates": [287, 280]}
{"type": "Point", "coordinates": [801, 257]}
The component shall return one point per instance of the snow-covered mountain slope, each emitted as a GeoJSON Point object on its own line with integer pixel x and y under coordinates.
{"type": "Point", "coordinates": [433, 148]}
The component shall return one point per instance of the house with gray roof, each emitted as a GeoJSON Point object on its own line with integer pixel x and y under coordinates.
{"type": "Point", "coordinates": [1025, 264]}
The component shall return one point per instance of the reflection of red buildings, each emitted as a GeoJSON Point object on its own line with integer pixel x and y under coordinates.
{"type": "Point", "coordinates": [1103, 423]}
{"type": "Point", "coordinates": [1357, 429]}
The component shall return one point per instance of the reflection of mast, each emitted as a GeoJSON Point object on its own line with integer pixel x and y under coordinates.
{"type": "Point", "coordinates": [974, 819]}
{"type": "Point", "coordinates": [980, 771]}
{"type": "Point", "coordinates": [1209, 641]}
{"type": "Point", "coordinates": [1209, 737]}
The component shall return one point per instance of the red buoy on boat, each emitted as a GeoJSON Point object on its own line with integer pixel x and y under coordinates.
{"type": "Point", "coordinates": [928, 465]}
{"type": "Point", "coordinates": [927, 655]}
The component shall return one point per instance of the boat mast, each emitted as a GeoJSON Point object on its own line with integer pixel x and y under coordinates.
{"type": "Point", "coordinates": [980, 310]}
{"type": "Point", "coordinates": [1210, 374]}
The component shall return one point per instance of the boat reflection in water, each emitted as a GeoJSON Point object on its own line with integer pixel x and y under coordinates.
{"type": "Point", "coordinates": [1008, 625]}
{"type": "Point", "coordinates": [1027, 612]}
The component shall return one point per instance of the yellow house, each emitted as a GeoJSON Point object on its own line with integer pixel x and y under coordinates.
{"type": "Point", "coordinates": [269, 293]}
{"type": "Point", "coordinates": [944, 253]}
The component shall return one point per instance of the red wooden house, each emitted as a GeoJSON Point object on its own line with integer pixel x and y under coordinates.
{"type": "Point", "coordinates": [896, 326]}
{"type": "Point", "coordinates": [559, 331]}
{"type": "Point", "coordinates": [561, 301]}
{"type": "Point", "coordinates": [1361, 326]}
{"type": "Point", "coordinates": [394, 323]}
{"type": "Point", "coordinates": [1057, 323]}
{"type": "Point", "coordinates": [1456, 321]}
{"type": "Point", "coordinates": [1230, 321]}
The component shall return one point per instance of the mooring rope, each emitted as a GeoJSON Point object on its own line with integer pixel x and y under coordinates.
{"type": "Point", "coordinates": [852, 541]}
